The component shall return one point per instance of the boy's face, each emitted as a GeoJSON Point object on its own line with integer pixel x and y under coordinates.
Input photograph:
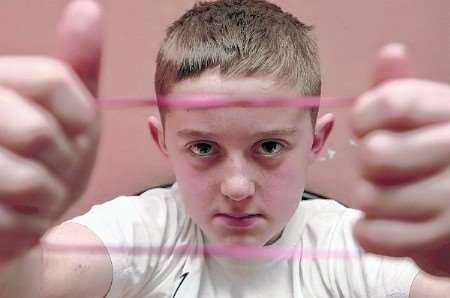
{"type": "Point", "coordinates": [241, 171]}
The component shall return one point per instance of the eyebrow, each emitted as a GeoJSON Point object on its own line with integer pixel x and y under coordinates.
{"type": "Point", "coordinates": [192, 133]}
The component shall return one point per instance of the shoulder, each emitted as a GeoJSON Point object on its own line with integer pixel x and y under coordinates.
{"type": "Point", "coordinates": [154, 218]}
{"type": "Point", "coordinates": [328, 207]}
{"type": "Point", "coordinates": [326, 217]}
{"type": "Point", "coordinates": [135, 230]}
{"type": "Point", "coordinates": [154, 208]}
{"type": "Point", "coordinates": [425, 285]}
{"type": "Point", "coordinates": [328, 229]}
{"type": "Point", "coordinates": [75, 269]}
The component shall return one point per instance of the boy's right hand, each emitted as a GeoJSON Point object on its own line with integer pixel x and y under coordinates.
{"type": "Point", "coordinates": [49, 130]}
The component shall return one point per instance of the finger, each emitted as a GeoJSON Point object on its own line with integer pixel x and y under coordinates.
{"type": "Point", "coordinates": [401, 105]}
{"type": "Point", "coordinates": [398, 238]}
{"type": "Point", "coordinates": [391, 157]}
{"type": "Point", "coordinates": [80, 40]}
{"type": "Point", "coordinates": [411, 201]}
{"type": "Point", "coordinates": [392, 63]}
{"type": "Point", "coordinates": [32, 132]}
{"type": "Point", "coordinates": [53, 85]}
{"type": "Point", "coordinates": [25, 185]}
{"type": "Point", "coordinates": [19, 227]}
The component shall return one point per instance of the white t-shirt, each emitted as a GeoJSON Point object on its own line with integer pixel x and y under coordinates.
{"type": "Point", "coordinates": [145, 237]}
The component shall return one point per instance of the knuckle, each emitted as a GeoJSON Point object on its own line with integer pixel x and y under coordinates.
{"type": "Point", "coordinates": [359, 112]}
{"type": "Point", "coordinates": [34, 189]}
{"type": "Point", "coordinates": [397, 100]}
{"type": "Point", "coordinates": [370, 208]}
{"type": "Point", "coordinates": [53, 72]}
{"type": "Point", "coordinates": [369, 198]}
{"type": "Point", "coordinates": [438, 232]}
{"type": "Point", "coordinates": [37, 135]}
{"type": "Point", "coordinates": [23, 229]}
{"type": "Point", "coordinates": [52, 66]}
{"type": "Point", "coordinates": [85, 144]}
{"type": "Point", "coordinates": [58, 204]}
{"type": "Point", "coordinates": [28, 180]}
{"type": "Point", "coordinates": [375, 151]}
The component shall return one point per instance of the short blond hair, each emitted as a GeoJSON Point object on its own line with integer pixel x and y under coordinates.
{"type": "Point", "coordinates": [241, 38]}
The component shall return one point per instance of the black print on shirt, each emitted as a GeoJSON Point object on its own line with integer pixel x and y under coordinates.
{"type": "Point", "coordinates": [183, 277]}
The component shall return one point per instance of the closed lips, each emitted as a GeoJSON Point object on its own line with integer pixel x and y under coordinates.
{"type": "Point", "coordinates": [238, 216]}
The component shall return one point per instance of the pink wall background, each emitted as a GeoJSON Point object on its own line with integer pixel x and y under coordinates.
{"type": "Point", "coordinates": [349, 34]}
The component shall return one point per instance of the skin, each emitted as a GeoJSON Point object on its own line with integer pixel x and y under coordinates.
{"type": "Point", "coordinates": [46, 161]}
{"type": "Point", "coordinates": [235, 161]}
{"type": "Point", "coordinates": [49, 131]}
{"type": "Point", "coordinates": [47, 150]}
{"type": "Point", "coordinates": [404, 127]}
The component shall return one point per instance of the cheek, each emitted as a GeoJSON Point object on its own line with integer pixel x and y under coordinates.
{"type": "Point", "coordinates": [194, 185]}
{"type": "Point", "coordinates": [282, 189]}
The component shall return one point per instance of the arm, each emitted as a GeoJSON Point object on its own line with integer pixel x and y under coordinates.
{"type": "Point", "coordinates": [16, 273]}
{"type": "Point", "coordinates": [48, 138]}
{"type": "Point", "coordinates": [75, 274]}
{"type": "Point", "coordinates": [58, 273]}
{"type": "Point", "coordinates": [425, 285]}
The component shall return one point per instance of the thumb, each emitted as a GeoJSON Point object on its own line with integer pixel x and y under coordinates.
{"type": "Point", "coordinates": [392, 63]}
{"type": "Point", "coordinates": [80, 40]}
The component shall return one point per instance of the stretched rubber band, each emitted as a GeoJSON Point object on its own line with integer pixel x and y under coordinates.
{"type": "Point", "coordinates": [207, 250]}
{"type": "Point", "coordinates": [206, 102]}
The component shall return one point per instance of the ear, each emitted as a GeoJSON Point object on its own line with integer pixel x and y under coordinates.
{"type": "Point", "coordinates": [157, 133]}
{"type": "Point", "coordinates": [323, 128]}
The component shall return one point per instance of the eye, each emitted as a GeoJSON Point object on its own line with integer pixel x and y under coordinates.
{"type": "Point", "coordinates": [269, 147]}
{"type": "Point", "coordinates": [202, 149]}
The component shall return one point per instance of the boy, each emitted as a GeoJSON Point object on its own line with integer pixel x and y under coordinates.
{"type": "Point", "coordinates": [240, 172]}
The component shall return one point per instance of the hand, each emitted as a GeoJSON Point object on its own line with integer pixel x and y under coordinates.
{"type": "Point", "coordinates": [49, 130]}
{"type": "Point", "coordinates": [404, 127]}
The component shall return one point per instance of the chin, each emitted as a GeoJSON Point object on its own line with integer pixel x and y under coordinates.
{"type": "Point", "coordinates": [239, 240]}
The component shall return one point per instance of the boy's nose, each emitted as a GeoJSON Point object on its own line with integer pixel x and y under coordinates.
{"type": "Point", "coordinates": [237, 188]}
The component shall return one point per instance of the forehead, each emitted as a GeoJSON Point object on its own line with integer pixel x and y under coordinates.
{"type": "Point", "coordinates": [238, 123]}
{"type": "Point", "coordinates": [211, 82]}
{"type": "Point", "coordinates": [233, 120]}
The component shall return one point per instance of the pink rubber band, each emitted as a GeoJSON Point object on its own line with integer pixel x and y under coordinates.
{"type": "Point", "coordinates": [208, 250]}
{"type": "Point", "coordinates": [205, 102]}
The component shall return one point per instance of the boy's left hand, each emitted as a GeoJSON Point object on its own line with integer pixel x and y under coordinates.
{"type": "Point", "coordinates": [404, 128]}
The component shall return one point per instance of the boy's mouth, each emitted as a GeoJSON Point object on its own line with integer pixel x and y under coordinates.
{"type": "Point", "coordinates": [236, 220]}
